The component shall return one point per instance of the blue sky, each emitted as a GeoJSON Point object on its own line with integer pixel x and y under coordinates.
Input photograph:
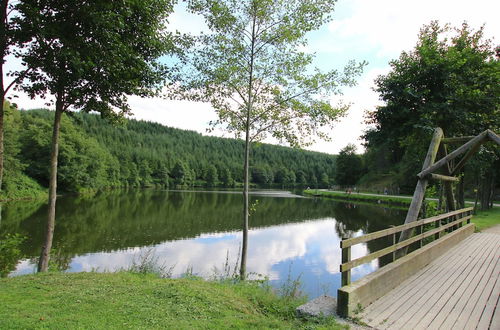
{"type": "Point", "coordinates": [375, 31]}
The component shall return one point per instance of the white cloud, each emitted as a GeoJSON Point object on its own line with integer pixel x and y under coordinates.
{"type": "Point", "coordinates": [391, 26]}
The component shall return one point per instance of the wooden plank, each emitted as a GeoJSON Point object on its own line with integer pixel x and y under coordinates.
{"type": "Point", "coordinates": [444, 177]}
{"type": "Point", "coordinates": [380, 253]}
{"type": "Point", "coordinates": [419, 193]}
{"type": "Point", "coordinates": [480, 299]}
{"type": "Point", "coordinates": [413, 290]}
{"type": "Point", "coordinates": [454, 307]}
{"type": "Point", "coordinates": [485, 306]}
{"type": "Point", "coordinates": [494, 137]}
{"type": "Point", "coordinates": [392, 230]}
{"type": "Point", "coordinates": [415, 308]}
{"type": "Point", "coordinates": [420, 302]}
{"type": "Point", "coordinates": [453, 155]}
{"type": "Point", "coordinates": [414, 284]}
{"type": "Point", "coordinates": [418, 297]}
{"type": "Point", "coordinates": [460, 139]}
{"type": "Point", "coordinates": [444, 294]}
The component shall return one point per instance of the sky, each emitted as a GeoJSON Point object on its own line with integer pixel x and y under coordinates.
{"type": "Point", "coordinates": [362, 30]}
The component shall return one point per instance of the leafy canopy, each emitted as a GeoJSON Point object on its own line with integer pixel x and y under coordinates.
{"type": "Point", "coordinates": [450, 80]}
{"type": "Point", "coordinates": [93, 54]}
{"type": "Point", "coordinates": [252, 68]}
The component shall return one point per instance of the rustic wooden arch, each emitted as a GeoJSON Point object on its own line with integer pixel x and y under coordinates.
{"type": "Point", "coordinates": [439, 145]}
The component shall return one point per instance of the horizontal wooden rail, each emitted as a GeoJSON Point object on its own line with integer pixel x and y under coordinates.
{"type": "Point", "coordinates": [380, 253]}
{"type": "Point", "coordinates": [392, 230]}
{"type": "Point", "coordinates": [460, 139]}
{"type": "Point", "coordinates": [444, 177]}
{"type": "Point", "coordinates": [347, 264]}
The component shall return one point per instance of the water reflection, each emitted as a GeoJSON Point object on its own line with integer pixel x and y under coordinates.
{"type": "Point", "coordinates": [199, 230]}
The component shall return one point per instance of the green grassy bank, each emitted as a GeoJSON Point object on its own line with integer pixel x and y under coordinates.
{"type": "Point", "coordinates": [355, 197]}
{"type": "Point", "coordinates": [483, 219]}
{"type": "Point", "coordinates": [138, 301]}
{"type": "Point", "coordinates": [486, 219]}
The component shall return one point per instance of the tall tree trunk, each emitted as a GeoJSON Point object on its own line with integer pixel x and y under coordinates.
{"type": "Point", "coordinates": [3, 52]}
{"type": "Point", "coordinates": [244, 246]}
{"type": "Point", "coordinates": [246, 179]}
{"type": "Point", "coordinates": [43, 263]}
{"type": "Point", "coordinates": [461, 193]}
{"type": "Point", "coordinates": [477, 193]}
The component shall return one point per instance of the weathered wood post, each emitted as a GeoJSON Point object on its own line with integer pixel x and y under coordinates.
{"type": "Point", "coordinates": [346, 257]}
{"type": "Point", "coordinates": [419, 194]}
{"type": "Point", "coordinates": [393, 243]}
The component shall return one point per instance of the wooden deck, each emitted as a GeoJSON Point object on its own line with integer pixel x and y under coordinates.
{"type": "Point", "coordinates": [459, 290]}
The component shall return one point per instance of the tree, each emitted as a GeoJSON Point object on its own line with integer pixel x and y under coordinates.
{"type": "Point", "coordinates": [89, 57]}
{"type": "Point", "coordinates": [449, 80]}
{"type": "Point", "coordinates": [349, 166]}
{"type": "Point", "coordinates": [250, 68]}
{"type": "Point", "coordinates": [212, 176]}
{"type": "Point", "coordinates": [226, 177]}
{"type": "Point", "coordinates": [7, 40]}
{"type": "Point", "coordinates": [181, 173]}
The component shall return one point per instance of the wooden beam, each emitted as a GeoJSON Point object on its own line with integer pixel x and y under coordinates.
{"type": "Point", "coordinates": [344, 267]}
{"type": "Point", "coordinates": [443, 152]}
{"type": "Point", "coordinates": [460, 139]}
{"type": "Point", "coordinates": [396, 229]}
{"type": "Point", "coordinates": [418, 195]}
{"type": "Point", "coordinates": [431, 168]}
{"type": "Point", "coordinates": [494, 137]}
{"type": "Point", "coordinates": [465, 158]}
{"type": "Point", "coordinates": [444, 177]}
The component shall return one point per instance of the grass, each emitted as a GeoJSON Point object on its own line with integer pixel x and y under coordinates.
{"type": "Point", "coordinates": [483, 219]}
{"type": "Point", "coordinates": [354, 197]}
{"type": "Point", "coordinates": [139, 301]}
{"type": "Point", "coordinates": [486, 219]}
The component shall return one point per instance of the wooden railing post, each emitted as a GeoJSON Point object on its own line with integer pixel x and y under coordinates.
{"type": "Point", "coordinates": [437, 225]}
{"type": "Point", "coordinates": [346, 257]}
{"type": "Point", "coordinates": [393, 243]}
{"type": "Point", "coordinates": [421, 242]}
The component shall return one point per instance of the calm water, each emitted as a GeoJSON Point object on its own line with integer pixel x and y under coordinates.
{"type": "Point", "coordinates": [290, 236]}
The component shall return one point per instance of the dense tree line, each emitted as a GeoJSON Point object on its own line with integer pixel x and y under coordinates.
{"type": "Point", "coordinates": [98, 154]}
{"type": "Point", "coordinates": [449, 80]}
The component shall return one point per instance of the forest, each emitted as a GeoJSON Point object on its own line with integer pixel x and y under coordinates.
{"type": "Point", "coordinates": [97, 154]}
{"type": "Point", "coordinates": [449, 80]}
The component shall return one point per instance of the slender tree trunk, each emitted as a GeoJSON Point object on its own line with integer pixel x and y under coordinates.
{"type": "Point", "coordinates": [43, 263]}
{"type": "Point", "coordinates": [3, 51]}
{"type": "Point", "coordinates": [477, 194]}
{"type": "Point", "coordinates": [2, 115]}
{"type": "Point", "coordinates": [244, 246]}
{"type": "Point", "coordinates": [461, 193]}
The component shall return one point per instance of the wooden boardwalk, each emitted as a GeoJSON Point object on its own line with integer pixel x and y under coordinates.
{"type": "Point", "coordinates": [459, 290]}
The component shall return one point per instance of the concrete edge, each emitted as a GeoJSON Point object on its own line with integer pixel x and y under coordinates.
{"type": "Point", "coordinates": [363, 292]}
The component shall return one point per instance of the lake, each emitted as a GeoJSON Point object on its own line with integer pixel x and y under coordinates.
{"type": "Point", "coordinates": [198, 232]}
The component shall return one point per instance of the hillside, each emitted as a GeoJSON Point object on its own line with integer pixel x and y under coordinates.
{"type": "Point", "coordinates": [96, 154]}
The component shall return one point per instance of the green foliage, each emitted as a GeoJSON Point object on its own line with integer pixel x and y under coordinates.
{"type": "Point", "coordinates": [92, 300]}
{"type": "Point", "coordinates": [10, 253]}
{"type": "Point", "coordinates": [83, 163]}
{"type": "Point", "coordinates": [354, 197]}
{"type": "Point", "coordinates": [349, 166]}
{"type": "Point", "coordinates": [449, 80]}
{"type": "Point", "coordinates": [92, 56]}
{"type": "Point", "coordinates": [212, 177]}
{"type": "Point", "coordinates": [250, 68]}
{"type": "Point", "coordinates": [487, 218]}
{"type": "Point", "coordinates": [95, 155]}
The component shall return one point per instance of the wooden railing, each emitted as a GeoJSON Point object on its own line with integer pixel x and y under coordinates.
{"type": "Point", "coordinates": [453, 220]}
